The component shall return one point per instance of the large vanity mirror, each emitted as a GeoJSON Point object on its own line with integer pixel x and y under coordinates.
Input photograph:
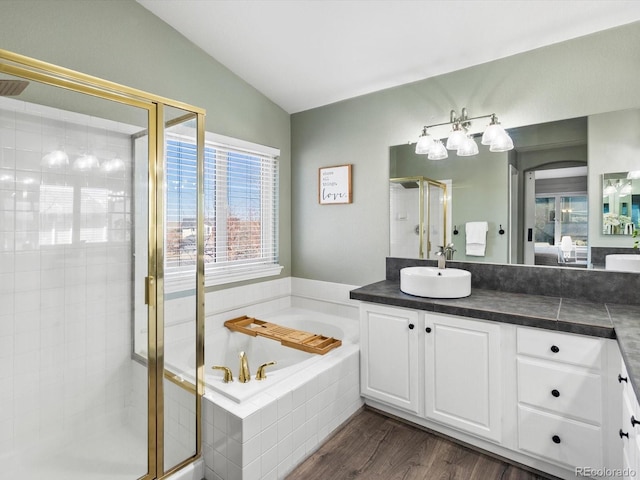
{"type": "Point", "coordinates": [542, 202]}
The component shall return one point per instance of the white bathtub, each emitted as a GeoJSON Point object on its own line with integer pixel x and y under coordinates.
{"type": "Point", "coordinates": [223, 348]}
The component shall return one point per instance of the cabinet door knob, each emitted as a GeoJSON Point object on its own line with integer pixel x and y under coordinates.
{"type": "Point", "coordinates": [428, 329]}
{"type": "Point", "coordinates": [411, 325]}
{"type": "Point", "coordinates": [622, 379]}
{"type": "Point", "coordinates": [634, 422]}
{"type": "Point", "coordinates": [556, 439]}
{"type": "Point", "coordinates": [555, 393]}
{"type": "Point", "coordinates": [554, 349]}
{"type": "Point", "coordinates": [623, 434]}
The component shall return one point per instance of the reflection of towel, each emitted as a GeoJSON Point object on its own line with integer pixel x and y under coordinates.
{"type": "Point", "coordinates": [476, 238]}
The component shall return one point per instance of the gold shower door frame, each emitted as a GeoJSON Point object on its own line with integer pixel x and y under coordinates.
{"type": "Point", "coordinates": [46, 73]}
{"type": "Point", "coordinates": [426, 183]}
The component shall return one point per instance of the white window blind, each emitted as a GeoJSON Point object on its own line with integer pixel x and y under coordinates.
{"type": "Point", "coordinates": [241, 211]}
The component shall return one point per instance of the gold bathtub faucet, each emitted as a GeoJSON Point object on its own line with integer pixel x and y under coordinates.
{"type": "Point", "coordinates": [244, 375]}
{"type": "Point", "coordinates": [228, 376]}
{"type": "Point", "coordinates": [260, 375]}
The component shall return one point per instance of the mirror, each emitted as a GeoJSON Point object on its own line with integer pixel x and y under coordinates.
{"type": "Point", "coordinates": [552, 165]}
{"type": "Point", "coordinates": [620, 203]}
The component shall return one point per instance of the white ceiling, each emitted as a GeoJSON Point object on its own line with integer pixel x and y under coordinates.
{"type": "Point", "coordinates": [308, 53]}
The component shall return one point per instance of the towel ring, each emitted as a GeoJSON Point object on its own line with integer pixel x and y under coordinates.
{"type": "Point", "coordinates": [455, 230]}
{"type": "Point", "coordinates": [501, 231]}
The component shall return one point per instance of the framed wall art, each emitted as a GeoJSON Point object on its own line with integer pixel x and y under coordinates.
{"type": "Point", "coordinates": [334, 185]}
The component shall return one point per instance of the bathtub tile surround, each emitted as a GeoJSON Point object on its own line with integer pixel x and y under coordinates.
{"type": "Point", "coordinates": [274, 432]}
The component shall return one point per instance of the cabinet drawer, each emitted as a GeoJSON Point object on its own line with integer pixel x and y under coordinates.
{"type": "Point", "coordinates": [571, 443]}
{"type": "Point", "coordinates": [561, 389]}
{"type": "Point", "coordinates": [560, 347]}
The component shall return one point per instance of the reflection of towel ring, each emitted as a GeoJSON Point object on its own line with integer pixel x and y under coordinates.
{"type": "Point", "coordinates": [417, 230]}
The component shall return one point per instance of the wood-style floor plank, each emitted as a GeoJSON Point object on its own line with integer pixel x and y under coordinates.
{"type": "Point", "coordinates": [372, 446]}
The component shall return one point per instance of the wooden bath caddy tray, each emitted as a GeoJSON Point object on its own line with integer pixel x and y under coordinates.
{"type": "Point", "coordinates": [289, 337]}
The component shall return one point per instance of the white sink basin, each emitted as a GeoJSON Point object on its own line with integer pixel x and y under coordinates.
{"type": "Point", "coordinates": [622, 262]}
{"type": "Point", "coordinates": [433, 282]}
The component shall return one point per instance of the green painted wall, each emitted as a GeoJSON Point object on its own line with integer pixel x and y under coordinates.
{"type": "Point", "coordinates": [121, 41]}
{"type": "Point", "coordinates": [348, 243]}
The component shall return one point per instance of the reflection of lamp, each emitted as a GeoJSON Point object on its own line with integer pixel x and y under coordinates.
{"type": "Point", "coordinates": [566, 245]}
{"type": "Point", "coordinates": [114, 165]}
{"type": "Point", "coordinates": [86, 162]}
{"type": "Point", "coordinates": [609, 189]}
{"type": "Point", "coordinates": [55, 159]}
{"type": "Point", "coordinates": [633, 175]}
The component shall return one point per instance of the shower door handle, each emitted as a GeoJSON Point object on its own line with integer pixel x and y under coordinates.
{"type": "Point", "coordinates": [149, 291]}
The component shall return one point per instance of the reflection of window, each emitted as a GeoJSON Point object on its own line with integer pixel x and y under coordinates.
{"type": "Point", "coordinates": [70, 214]}
{"type": "Point", "coordinates": [56, 214]}
{"type": "Point", "coordinates": [241, 215]}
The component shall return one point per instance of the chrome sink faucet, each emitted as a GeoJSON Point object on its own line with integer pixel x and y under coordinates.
{"type": "Point", "coordinates": [444, 254]}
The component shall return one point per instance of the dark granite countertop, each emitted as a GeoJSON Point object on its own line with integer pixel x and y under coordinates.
{"type": "Point", "coordinates": [605, 320]}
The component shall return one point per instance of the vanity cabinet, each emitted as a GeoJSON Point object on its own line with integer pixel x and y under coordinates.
{"type": "Point", "coordinates": [629, 425]}
{"type": "Point", "coordinates": [463, 381]}
{"type": "Point", "coordinates": [389, 352]}
{"type": "Point", "coordinates": [560, 397]}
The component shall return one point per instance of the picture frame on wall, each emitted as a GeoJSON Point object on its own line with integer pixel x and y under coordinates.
{"type": "Point", "coordinates": [334, 185]}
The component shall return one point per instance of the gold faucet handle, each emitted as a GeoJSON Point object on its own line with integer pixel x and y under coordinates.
{"type": "Point", "coordinates": [228, 376]}
{"type": "Point", "coordinates": [261, 375]}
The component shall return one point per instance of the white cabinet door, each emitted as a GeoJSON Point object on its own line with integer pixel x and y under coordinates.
{"type": "Point", "coordinates": [389, 353]}
{"type": "Point", "coordinates": [463, 374]}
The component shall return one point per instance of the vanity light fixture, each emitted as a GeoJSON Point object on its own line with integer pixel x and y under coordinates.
{"type": "Point", "coordinates": [460, 140]}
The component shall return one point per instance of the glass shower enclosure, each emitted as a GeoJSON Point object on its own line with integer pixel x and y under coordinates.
{"type": "Point", "coordinates": [418, 217]}
{"type": "Point", "coordinates": [85, 322]}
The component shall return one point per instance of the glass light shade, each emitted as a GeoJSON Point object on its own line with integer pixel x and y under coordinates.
{"type": "Point", "coordinates": [491, 133]}
{"type": "Point", "coordinates": [633, 175]}
{"type": "Point", "coordinates": [55, 158]}
{"type": "Point", "coordinates": [85, 163]}
{"type": "Point", "coordinates": [455, 140]}
{"type": "Point", "coordinates": [438, 151]}
{"type": "Point", "coordinates": [468, 147]}
{"type": "Point", "coordinates": [501, 143]}
{"type": "Point", "coordinates": [627, 189]}
{"type": "Point", "coordinates": [425, 142]}
{"type": "Point", "coordinates": [114, 165]}
{"type": "Point", "coordinates": [609, 189]}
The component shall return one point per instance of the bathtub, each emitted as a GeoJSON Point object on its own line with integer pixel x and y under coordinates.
{"type": "Point", "coordinates": [263, 429]}
{"type": "Point", "coordinates": [224, 346]}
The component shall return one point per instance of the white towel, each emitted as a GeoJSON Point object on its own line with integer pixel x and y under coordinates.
{"type": "Point", "coordinates": [476, 233]}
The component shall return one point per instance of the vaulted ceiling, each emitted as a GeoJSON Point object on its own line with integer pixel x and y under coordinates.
{"type": "Point", "coordinates": [307, 53]}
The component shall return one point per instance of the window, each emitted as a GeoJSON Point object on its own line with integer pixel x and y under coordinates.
{"type": "Point", "coordinates": [240, 213]}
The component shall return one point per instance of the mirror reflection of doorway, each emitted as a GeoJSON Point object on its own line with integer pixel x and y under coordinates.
{"type": "Point", "coordinates": [556, 217]}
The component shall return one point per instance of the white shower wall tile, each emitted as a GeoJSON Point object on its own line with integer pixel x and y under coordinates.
{"type": "Point", "coordinates": [56, 295]}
